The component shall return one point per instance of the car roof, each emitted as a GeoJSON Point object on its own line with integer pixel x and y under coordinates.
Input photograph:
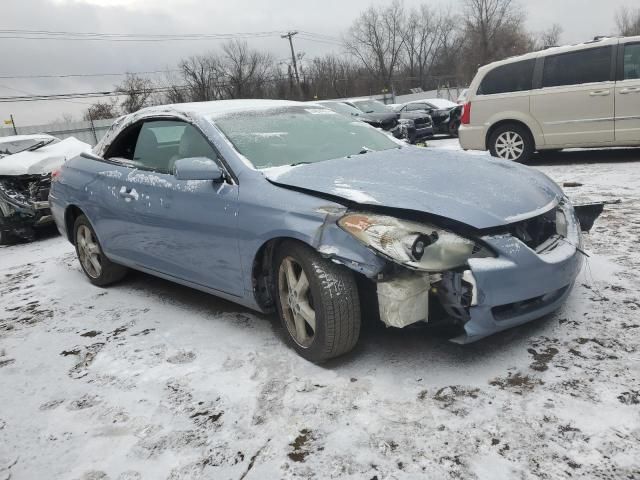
{"type": "Point", "coordinates": [217, 107]}
{"type": "Point", "coordinates": [19, 138]}
{"type": "Point", "coordinates": [597, 42]}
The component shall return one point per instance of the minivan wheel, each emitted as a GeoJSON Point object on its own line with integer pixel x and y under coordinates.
{"type": "Point", "coordinates": [317, 301]}
{"type": "Point", "coordinates": [511, 142]}
{"type": "Point", "coordinates": [96, 266]}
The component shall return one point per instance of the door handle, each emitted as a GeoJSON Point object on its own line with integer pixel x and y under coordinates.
{"type": "Point", "coordinates": [600, 93]}
{"type": "Point", "coordinates": [128, 194]}
{"type": "Point", "coordinates": [624, 91]}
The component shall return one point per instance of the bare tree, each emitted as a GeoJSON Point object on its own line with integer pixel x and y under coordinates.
{"type": "Point", "coordinates": [245, 70]}
{"type": "Point", "coordinates": [137, 92]}
{"type": "Point", "coordinates": [102, 110]}
{"type": "Point", "coordinates": [376, 40]}
{"type": "Point", "coordinates": [203, 77]}
{"type": "Point", "coordinates": [332, 76]}
{"type": "Point", "coordinates": [549, 37]}
{"type": "Point", "coordinates": [427, 34]}
{"type": "Point", "coordinates": [494, 29]}
{"type": "Point", "coordinates": [628, 21]}
{"type": "Point", "coordinates": [65, 118]}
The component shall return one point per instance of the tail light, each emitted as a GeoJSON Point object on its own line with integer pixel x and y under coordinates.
{"type": "Point", "coordinates": [55, 175]}
{"type": "Point", "coordinates": [465, 118]}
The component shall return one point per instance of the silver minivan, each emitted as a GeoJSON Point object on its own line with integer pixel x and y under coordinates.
{"type": "Point", "coordinates": [585, 95]}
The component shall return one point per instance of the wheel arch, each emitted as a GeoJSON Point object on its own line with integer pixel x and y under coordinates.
{"type": "Point", "coordinates": [262, 273]}
{"type": "Point", "coordinates": [71, 213]}
{"type": "Point", "coordinates": [509, 121]}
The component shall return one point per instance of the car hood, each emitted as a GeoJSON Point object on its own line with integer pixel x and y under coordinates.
{"type": "Point", "coordinates": [478, 191]}
{"type": "Point", "coordinates": [42, 160]}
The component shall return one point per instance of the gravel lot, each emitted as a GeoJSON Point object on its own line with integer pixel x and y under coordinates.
{"type": "Point", "coordinates": [150, 380]}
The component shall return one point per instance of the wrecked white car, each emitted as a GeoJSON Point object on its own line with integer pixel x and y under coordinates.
{"type": "Point", "coordinates": [26, 163]}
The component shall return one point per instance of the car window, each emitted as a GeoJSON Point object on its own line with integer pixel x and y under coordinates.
{"type": "Point", "coordinates": [157, 144]}
{"type": "Point", "coordinates": [412, 107]}
{"type": "Point", "coordinates": [512, 77]}
{"type": "Point", "coordinates": [300, 134]}
{"type": "Point", "coordinates": [631, 61]}
{"type": "Point", "coordinates": [575, 68]}
{"type": "Point", "coordinates": [11, 147]}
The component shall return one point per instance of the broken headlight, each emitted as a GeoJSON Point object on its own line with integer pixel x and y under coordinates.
{"type": "Point", "coordinates": [416, 245]}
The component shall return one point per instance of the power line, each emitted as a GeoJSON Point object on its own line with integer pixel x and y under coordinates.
{"type": "Point", "coordinates": [126, 37]}
{"type": "Point", "coordinates": [89, 74]}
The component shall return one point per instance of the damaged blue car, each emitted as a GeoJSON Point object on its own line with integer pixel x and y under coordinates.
{"type": "Point", "coordinates": [289, 207]}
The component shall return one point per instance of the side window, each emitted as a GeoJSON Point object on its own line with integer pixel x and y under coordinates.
{"type": "Point", "coordinates": [512, 77]}
{"type": "Point", "coordinates": [575, 68]}
{"type": "Point", "coordinates": [631, 61]}
{"type": "Point", "coordinates": [157, 144]}
{"type": "Point", "coordinates": [414, 107]}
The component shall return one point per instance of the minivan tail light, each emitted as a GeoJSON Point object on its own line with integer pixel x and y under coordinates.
{"type": "Point", "coordinates": [465, 119]}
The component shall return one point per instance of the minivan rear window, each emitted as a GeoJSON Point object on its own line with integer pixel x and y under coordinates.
{"type": "Point", "coordinates": [512, 77]}
{"type": "Point", "coordinates": [574, 68]}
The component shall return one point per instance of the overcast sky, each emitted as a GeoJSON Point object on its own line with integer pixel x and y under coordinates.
{"type": "Point", "coordinates": [580, 19]}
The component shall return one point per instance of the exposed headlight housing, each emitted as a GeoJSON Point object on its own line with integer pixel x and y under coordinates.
{"type": "Point", "coordinates": [416, 245]}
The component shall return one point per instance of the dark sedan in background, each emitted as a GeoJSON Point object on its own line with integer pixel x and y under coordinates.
{"type": "Point", "coordinates": [444, 113]}
{"type": "Point", "coordinates": [422, 121]}
{"type": "Point", "coordinates": [387, 121]}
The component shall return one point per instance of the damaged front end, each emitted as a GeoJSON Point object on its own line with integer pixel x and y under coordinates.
{"type": "Point", "coordinates": [24, 204]}
{"type": "Point", "coordinates": [481, 282]}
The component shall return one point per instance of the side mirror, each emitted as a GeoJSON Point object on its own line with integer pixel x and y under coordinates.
{"type": "Point", "coordinates": [197, 168]}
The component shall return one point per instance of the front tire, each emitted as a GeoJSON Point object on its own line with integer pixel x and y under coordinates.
{"type": "Point", "coordinates": [511, 142]}
{"type": "Point", "coordinates": [97, 267]}
{"type": "Point", "coordinates": [317, 301]}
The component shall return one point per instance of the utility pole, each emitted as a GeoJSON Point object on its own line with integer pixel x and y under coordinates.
{"type": "Point", "coordinates": [13, 123]}
{"type": "Point", "coordinates": [290, 36]}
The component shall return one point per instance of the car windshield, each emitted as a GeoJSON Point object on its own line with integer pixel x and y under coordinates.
{"type": "Point", "coordinates": [298, 134]}
{"type": "Point", "coordinates": [11, 147]}
{"type": "Point", "coordinates": [371, 106]}
{"type": "Point", "coordinates": [342, 108]}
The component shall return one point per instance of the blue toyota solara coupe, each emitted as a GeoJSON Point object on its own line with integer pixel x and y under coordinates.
{"type": "Point", "coordinates": [292, 207]}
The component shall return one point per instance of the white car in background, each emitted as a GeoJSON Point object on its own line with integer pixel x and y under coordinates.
{"type": "Point", "coordinates": [26, 164]}
{"type": "Point", "coordinates": [585, 95]}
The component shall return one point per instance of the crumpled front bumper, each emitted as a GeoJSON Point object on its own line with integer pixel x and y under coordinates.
{"type": "Point", "coordinates": [520, 285]}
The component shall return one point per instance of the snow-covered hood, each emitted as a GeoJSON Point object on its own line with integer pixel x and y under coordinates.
{"type": "Point", "coordinates": [42, 160]}
{"type": "Point", "coordinates": [478, 191]}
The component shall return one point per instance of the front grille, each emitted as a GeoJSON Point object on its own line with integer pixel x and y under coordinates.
{"type": "Point", "coordinates": [510, 310]}
{"type": "Point", "coordinates": [533, 232]}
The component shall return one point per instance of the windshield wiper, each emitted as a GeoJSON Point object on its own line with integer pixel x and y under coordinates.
{"type": "Point", "coordinates": [298, 163]}
{"type": "Point", "coordinates": [39, 145]}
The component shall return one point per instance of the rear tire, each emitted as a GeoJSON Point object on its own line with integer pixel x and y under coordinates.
{"type": "Point", "coordinates": [512, 142]}
{"type": "Point", "coordinates": [317, 301]}
{"type": "Point", "coordinates": [97, 267]}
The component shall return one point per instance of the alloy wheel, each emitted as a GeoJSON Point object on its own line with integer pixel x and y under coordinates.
{"type": "Point", "coordinates": [297, 302]}
{"type": "Point", "coordinates": [509, 145]}
{"type": "Point", "coordinates": [89, 251]}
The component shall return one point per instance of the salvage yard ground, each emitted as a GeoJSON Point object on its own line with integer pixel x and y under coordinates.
{"type": "Point", "coordinates": [150, 380]}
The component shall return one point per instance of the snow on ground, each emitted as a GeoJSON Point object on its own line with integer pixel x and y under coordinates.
{"type": "Point", "coordinates": [150, 380]}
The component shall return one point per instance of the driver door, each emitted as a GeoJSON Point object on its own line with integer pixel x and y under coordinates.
{"type": "Point", "coordinates": [185, 229]}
